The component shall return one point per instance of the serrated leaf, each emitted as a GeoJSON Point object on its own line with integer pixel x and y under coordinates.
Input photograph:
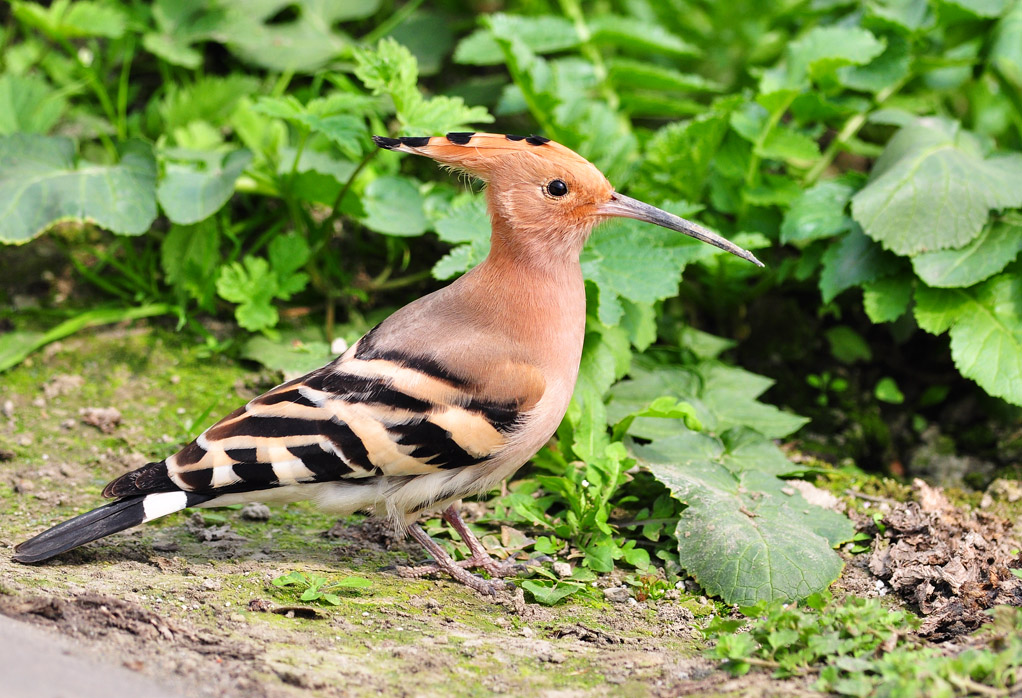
{"type": "Point", "coordinates": [288, 253]}
{"type": "Point", "coordinates": [549, 593]}
{"type": "Point", "coordinates": [638, 35]}
{"type": "Point", "coordinates": [932, 189]}
{"type": "Point", "coordinates": [985, 323]}
{"type": "Point", "coordinates": [191, 191]}
{"type": "Point", "coordinates": [887, 299]}
{"type": "Point", "coordinates": [28, 104]}
{"type": "Point", "coordinates": [818, 213]}
{"type": "Point", "coordinates": [745, 536]}
{"type": "Point", "coordinates": [995, 248]}
{"type": "Point", "coordinates": [853, 260]}
{"type": "Point", "coordinates": [542, 34]}
{"type": "Point", "coordinates": [210, 98]}
{"type": "Point", "coordinates": [43, 183]}
{"type": "Point", "coordinates": [394, 206]}
{"type": "Point", "coordinates": [679, 154]}
{"type": "Point", "coordinates": [252, 286]}
{"type": "Point", "coordinates": [822, 50]}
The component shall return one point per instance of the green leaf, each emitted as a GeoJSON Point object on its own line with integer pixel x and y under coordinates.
{"type": "Point", "coordinates": [542, 34]}
{"type": "Point", "coordinates": [980, 8]}
{"type": "Point", "coordinates": [996, 247]}
{"type": "Point", "coordinates": [43, 183]}
{"type": "Point", "coordinates": [394, 206]}
{"type": "Point", "coordinates": [468, 223]}
{"type": "Point", "coordinates": [548, 592]}
{"type": "Point", "coordinates": [883, 71]}
{"type": "Point", "coordinates": [853, 260]}
{"type": "Point", "coordinates": [194, 189]}
{"type": "Point", "coordinates": [746, 536]}
{"type": "Point", "coordinates": [628, 73]}
{"type": "Point", "coordinates": [252, 286]}
{"type": "Point", "coordinates": [1006, 52]}
{"type": "Point", "coordinates": [28, 104]}
{"type": "Point", "coordinates": [189, 257]}
{"type": "Point", "coordinates": [288, 253]}
{"type": "Point", "coordinates": [847, 345]}
{"type": "Point", "coordinates": [784, 143]}
{"type": "Point", "coordinates": [822, 50]}
{"type": "Point", "coordinates": [887, 299]}
{"type": "Point", "coordinates": [679, 154]}
{"type": "Point", "coordinates": [902, 15]}
{"type": "Point", "coordinates": [290, 356]}
{"type": "Point", "coordinates": [722, 396]}
{"type": "Point", "coordinates": [392, 69]}
{"type": "Point", "coordinates": [818, 213]}
{"type": "Point", "coordinates": [638, 35]}
{"type": "Point", "coordinates": [933, 189]}
{"type": "Point", "coordinates": [66, 20]}
{"type": "Point", "coordinates": [304, 44]}
{"type": "Point", "coordinates": [985, 323]}
{"type": "Point", "coordinates": [887, 390]}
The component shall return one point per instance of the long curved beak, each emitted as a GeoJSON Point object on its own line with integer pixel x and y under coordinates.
{"type": "Point", "coordinates": [626, 207]}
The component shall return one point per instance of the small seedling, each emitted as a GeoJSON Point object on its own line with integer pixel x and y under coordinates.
{"type": "Point", "coordinates": [319, 589]}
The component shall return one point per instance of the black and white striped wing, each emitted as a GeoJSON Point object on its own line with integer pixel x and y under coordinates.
{"type": "Point", "coordinates": [366, 415]}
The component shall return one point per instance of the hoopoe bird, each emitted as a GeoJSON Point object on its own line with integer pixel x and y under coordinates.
{"type": "Point", "coordinates": [444, 399]}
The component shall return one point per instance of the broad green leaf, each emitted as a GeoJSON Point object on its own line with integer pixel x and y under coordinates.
{"type": "Point", "coordinates": [180, 24]}
{"type": "Point", "coordinates": [64, 19]}
{"type": "Point", "coordinates": [887, 299]}
{"type": "Point", "coordinates": [853, 260]}
{"type": "Point", "coordinates": [995, 248]}
{"type": "Point", "coordinates": [746, 536]}
{"type": "Point", "coordinates": [42, 183]}
{"type": "Point", "coordinates": [542, 34]}
{"type": "Point", "coordinates": [28, 105]}
{"type": "Point", "coordinates": [172, 51]}
{"type": "Point", "coordinates": [191, 190]}
{"type": "Point", "coordinates": [723, 397]}
{"type": "Point", "coordinates": [393, 206]}
{"type": "Point", "coordinates": [932, 189]}
{"type": "Point", "coordinates": [304, 44]}
{"type": "Point", "coordinates": [1006, 52]}
{"type": "Point", "coordinates": [822, 50]}
{"type": "Point", "coordinates": [638, 35]}
{"type": "Point", "coordinates": [818, 213]}
{"type": "Point", "coordinates": [429, 34]}
{"type": "Point", "coordinates": [290, 356]}
{"type": "Point", "coordinates": [887, 390]}
{"type": "Point", "coordinates": [985, 323]}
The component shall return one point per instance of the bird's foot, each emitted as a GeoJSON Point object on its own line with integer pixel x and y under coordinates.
{"type": "Point", "coordinates": [457, 569]}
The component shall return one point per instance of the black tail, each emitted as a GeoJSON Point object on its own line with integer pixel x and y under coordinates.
{"type": "Point", "coordinates": [114, 517]}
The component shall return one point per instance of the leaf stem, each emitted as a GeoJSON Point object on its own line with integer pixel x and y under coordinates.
{"type": "Point", "coordinates": [391, 23]}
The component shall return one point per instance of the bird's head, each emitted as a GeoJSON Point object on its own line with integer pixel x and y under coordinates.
{"type": "Point", "coordinates": [542, 195]}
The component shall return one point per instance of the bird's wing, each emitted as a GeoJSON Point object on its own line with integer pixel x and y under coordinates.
{"type": "Point", "coordinates": [371, 412]}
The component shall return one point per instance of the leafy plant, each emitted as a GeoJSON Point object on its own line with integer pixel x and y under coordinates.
{"type": "Point", "coordinates": [317, 588]}
{"type": "Point", "coordinates": [859, 648]}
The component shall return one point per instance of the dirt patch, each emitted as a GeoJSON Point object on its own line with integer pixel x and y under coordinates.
{"type": "Point", "coordinates": [950, 563]}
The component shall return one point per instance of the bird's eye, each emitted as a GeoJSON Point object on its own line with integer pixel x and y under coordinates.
{"type": "Point", "coordinates": [557, 188]}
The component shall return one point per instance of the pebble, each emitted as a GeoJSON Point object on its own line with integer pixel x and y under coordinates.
{"type": "Point", "coordinates": [8, 409]}
{"type": "Point", "coordinates": [562, 569]}
{"type": "Point", "coordinates": [255, 511]}
{"type": "Point", "coordinates": [617, 594]}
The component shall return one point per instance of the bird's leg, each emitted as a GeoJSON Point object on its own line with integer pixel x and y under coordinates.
{"type": "Point", "coordinates": [446, 563]}
{"type": "Point", "coordinates": [480, 558]}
